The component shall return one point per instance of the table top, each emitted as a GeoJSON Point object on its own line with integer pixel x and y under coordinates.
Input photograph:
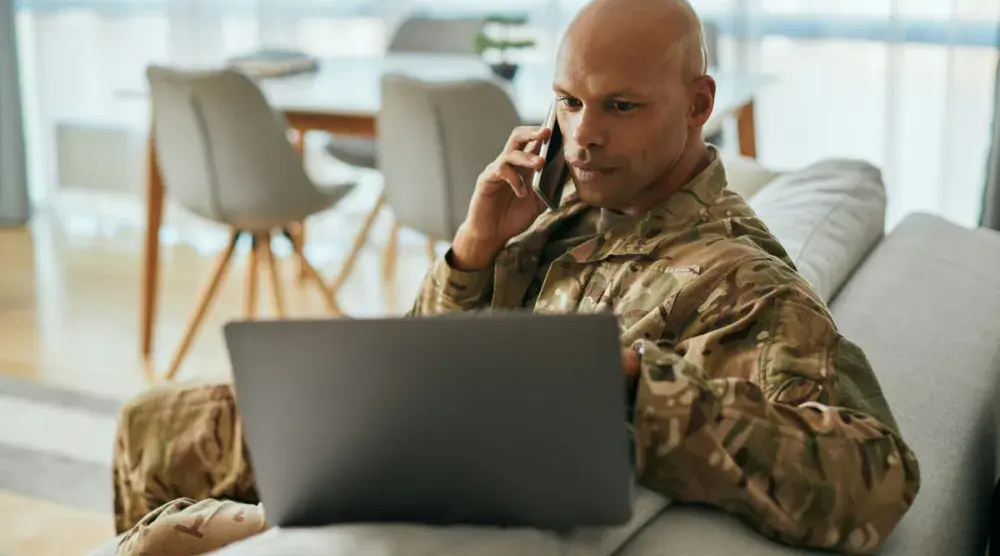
{"type": "Point", "coordinates": [350, 86]}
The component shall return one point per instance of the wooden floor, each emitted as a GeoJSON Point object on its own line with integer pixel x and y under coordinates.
{"type": "Point", "coordinates": [69, 292]}
{"type": "Point", "coordinates": [38, 528]}
{"type": "Point", "coordinates": [69, 314]}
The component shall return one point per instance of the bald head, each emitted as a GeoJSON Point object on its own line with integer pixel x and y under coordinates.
{"type": "Point", "coordinates": [643, 31]}
{"type": "Point", "coordinates": [633, 99]}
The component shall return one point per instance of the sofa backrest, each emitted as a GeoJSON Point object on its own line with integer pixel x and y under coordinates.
{"type": "Point", "coordinates": [828, 215]}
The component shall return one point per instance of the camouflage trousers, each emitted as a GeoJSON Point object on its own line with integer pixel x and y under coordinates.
{"type": "Point", "coordinates": [183, 479]}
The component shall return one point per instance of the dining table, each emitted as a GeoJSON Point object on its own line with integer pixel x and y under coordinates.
{"type": "Point", "coordinates": [342, 96]}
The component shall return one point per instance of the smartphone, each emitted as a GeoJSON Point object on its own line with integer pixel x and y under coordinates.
{"type": "Point", "coordinates": [548, 182]}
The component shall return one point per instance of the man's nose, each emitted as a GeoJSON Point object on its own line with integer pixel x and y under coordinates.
{"type": "Point", "coordinates": [589, 130]}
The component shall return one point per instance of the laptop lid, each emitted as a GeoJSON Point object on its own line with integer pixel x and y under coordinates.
{"type": "Point", "coordinates": [511, 420]}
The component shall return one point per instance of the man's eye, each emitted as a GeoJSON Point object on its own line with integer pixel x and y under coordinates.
{"type": "Point", "coordinates": [623, 106]}
{"type": "Point", "coordinates": [570, 102]}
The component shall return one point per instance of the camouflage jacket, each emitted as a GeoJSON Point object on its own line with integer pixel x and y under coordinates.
{"type": "Point", "coordinates": [749, 399]}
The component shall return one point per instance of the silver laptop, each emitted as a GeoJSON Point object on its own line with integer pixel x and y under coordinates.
{"type": "Point", "coordinates": [506, 420]}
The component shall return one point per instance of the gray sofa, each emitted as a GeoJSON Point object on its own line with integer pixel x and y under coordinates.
{"type": "Point", "coordinates": [925, 305]}
{"type": "Point", "coordinates": [923, 301]}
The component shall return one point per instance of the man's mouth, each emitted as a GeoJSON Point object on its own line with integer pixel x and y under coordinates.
{"type": "Point", "coordinates": [586, 172]}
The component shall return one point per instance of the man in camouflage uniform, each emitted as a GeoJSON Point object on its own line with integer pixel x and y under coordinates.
{"type": "Point", "coordinates": [747, 397]}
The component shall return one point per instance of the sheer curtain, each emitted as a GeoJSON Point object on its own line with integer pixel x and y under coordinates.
{"type": "Point", "coordinates": [907, 85]}
{"type": "Point", "coordinates": [904, 84]}
{"type": "Point", "coordinates": [13, 182]}
{"type": "Point", "coordinates": [991, 194]}
{"type": "Point", "coordinates": [83, 64]}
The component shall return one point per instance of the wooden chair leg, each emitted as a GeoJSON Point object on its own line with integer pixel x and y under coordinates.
{"type": "Point", "coordinates": [204, 302]}
{"type": "Point", "coordinates": [746, 131]}
{"type": "Point", "coordinates": [276, 293]}
{"type": "Point", "coordinates": [300, 241]}
{"type": "Point", "coordinates": [299, 142]}
{"type": "Point", "coordinates": [250, 294]}
{"type": "Point", "coordinates": [311, 272]}
{"type": "Point", "coordinates": [389, 257]}
{"type": "Point", "coordinates": [299, 230]}
{"type": "Point", "coordinates": [359, 242]}
{"type": "Point", "coordinates": [151, 262]}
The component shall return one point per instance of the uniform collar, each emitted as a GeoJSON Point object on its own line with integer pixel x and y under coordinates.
{"type": "Point", "coordinates": [642, 234]}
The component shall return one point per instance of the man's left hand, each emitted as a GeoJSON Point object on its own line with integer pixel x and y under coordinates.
{"type": "Point", "coordinates": [630, 362]}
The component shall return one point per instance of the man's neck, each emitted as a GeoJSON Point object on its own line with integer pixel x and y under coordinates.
{"type": "Point", "coordinates": [691, 163]}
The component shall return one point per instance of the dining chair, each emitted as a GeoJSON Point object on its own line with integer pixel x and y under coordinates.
{"type": "Point", "coordinates": [415, 35]}
{"type": "Point", "coordinates": [421, 34]}
{"type": "Point", "coordinates": [225, 155]}
{"type": "Point", "coordinates": [435, 139]}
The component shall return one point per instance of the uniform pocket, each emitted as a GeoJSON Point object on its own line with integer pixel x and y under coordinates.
{"type": "Point", "coordinates": [641, 293]}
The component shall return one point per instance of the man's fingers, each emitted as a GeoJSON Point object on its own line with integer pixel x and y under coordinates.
{"type": "Point", "coordinates": [510, 165]}
{"type": "Point", "coordinates": [521, 136]}
{"type": "Point", "coordinates": [630, 362]}
{"type": "Point", "coordinates": [522, 159]}
{"type": "Point", "coordinates": [508, 174]}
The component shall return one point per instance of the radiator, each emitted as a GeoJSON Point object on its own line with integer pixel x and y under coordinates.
{"type": "Point", "coordinates": [100, 156]}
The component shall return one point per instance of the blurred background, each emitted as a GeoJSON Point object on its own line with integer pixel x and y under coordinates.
{"type": "Point", "coordinates": [905, 84]}
{"type": "Point", "coordinates": [106, 262]}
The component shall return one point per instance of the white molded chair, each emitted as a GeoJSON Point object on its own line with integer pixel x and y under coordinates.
{"type": "Point", "coordinates": [435, 139]}
{"type": "Point", "coordinates": [423, 35]}
{"type": "Point", "coordinates": [418, 34]}
{"type": "Point", "coordinates": [224, 155]}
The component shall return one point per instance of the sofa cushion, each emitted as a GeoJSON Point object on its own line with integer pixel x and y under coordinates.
{"type": "Point", "coordinates": [392, 539]}
{"type": "Point", "coordinates": [828, 216]}
{"type": "Point", "coordinates": [745, 175]}
{"type": "Point", "coordinates": [925, 307]}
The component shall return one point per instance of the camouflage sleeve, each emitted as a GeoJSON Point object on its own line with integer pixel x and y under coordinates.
{"type": "Point", "coordinates": [185, 526]}
{"type": "Point", "coordinates": [446, 289]}
{"type": "Point", "coordinates": [743, 414]}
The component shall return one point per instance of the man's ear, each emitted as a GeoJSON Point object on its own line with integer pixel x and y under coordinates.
{"type": "Point", "coordinates": [702, 100]}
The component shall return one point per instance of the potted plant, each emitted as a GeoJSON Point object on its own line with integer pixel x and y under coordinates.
{"type": "Point", "coordinates": [501, 41]}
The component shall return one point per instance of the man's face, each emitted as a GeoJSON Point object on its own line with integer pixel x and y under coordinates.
{"type": "Point", "coordinates": [625, 121]}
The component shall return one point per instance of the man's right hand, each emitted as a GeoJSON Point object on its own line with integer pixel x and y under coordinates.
{"type": "Point", "coordinates": [503, 204]}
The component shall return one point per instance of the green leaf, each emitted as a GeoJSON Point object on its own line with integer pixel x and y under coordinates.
{"type": "Point", "coordinates": [525, 43]}
{"type": "Point", "coordinates": [484, 43]}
